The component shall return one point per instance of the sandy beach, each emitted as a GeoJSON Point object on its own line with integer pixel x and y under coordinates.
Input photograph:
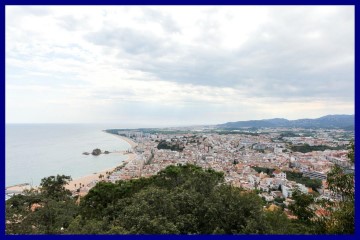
{"type": "Point", "coordinates": [128, 140]}
{"type": "Point", "coordinates": [86, 181]}
{"type": "Point", "coordinates": [89, 180]}
{"type": "Point", "coordinates": [18, 188]}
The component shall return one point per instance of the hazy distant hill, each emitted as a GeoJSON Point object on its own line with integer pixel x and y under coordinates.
{"type": "Point", "coordinates": [329, 121]}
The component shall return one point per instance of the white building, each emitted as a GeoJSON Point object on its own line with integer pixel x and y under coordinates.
{"type": "Point", "coordinates": [286, 191]}
{"type": "Point", "coordinates": [302, 188]}
{"type": "Point", "coordinates": [279, 174]}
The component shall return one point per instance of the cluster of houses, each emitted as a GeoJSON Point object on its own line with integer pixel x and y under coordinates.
{"type": "Point", "coordinates": [233, 154]}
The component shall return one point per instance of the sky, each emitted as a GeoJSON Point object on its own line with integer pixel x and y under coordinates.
{"type": "Point", "coordinates": [152, 66]}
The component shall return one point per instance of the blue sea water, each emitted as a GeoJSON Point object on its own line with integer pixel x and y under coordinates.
{"type": "Point", "coordinates": [35, 151]}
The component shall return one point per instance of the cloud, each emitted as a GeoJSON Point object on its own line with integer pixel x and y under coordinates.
{"type": "Point", "coordinates": [238, 62]}
{"type": "Point", "coordinates": [124, 39]}
{"type": "Point", "coordinates": [279, 59]}
{"type": "Point", "coordinates": [73, 22]}
{"type": "Point", "coordinates": [163, 19]}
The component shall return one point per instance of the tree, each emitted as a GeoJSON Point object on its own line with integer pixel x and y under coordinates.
{"type": "Point", "coordinates": [341, 217]}
{"type": "Point", "coordinates": [301, 206]}
{"type": "Point", "coordinates": [54, 187]}
{"type": "Point", "coordinates": [179, 199]}
{"type": "Point", "coordinates": [233, 211]}
{"type": "Point", "coordinates": [48, 210]}
{"type": "Point", "coordinates": [340, 183]}
{"type": "Point", "coordinates": [351, 153]}
{"type": "Point", "coordinates": [52, 216]}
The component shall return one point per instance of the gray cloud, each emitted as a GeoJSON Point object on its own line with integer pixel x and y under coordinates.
{"type": "Point", "coordinates": [295, 55]}
{"type": "Point", "coordinates": [299, 59]}
{"type": "Point", "coordinates": [32, 10]}
{"type": "Point", "coordinates": [165, 20]}
{"type": "Point", "coordinates": [127, 40]}
{"type": "Point", "coordinates": [17, 14]}
{"type": "Point", "coordinates": [72, 23]}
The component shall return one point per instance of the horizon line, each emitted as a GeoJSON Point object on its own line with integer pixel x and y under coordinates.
{"type": "Point", "coordinates": [171, 125]}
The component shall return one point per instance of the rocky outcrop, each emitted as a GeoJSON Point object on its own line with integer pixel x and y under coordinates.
{"type": "Point", "coordinates": [96, 152]}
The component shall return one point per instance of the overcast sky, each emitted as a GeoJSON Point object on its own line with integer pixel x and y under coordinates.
{"type": "Point", "coordinates": [182, 65]}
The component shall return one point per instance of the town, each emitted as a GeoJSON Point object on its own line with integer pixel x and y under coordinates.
{"type": "Point", "coordinates": [273, 162]}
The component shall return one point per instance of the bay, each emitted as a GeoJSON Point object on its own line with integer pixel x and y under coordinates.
{"type": "Point", "coordinates": [35, 151]}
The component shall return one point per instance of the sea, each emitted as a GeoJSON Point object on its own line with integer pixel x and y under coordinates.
{"type": "Point", "coordinates": [35, 151]}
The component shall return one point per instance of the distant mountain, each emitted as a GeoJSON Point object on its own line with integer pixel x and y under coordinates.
{"type": "Point", "coordinates": [329, 121]}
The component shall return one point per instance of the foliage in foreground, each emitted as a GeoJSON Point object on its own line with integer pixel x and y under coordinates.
{"type": "Point", "coordinates": [178, 200]}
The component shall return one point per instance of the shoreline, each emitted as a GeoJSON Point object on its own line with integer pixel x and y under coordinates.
{"type": "Point", "coordinates": [18, 188]}
{"type": "Point", "coordinates": [74, 184]}
{"type": "Point", "coordinates": [128, 140]}
{"type": "Point", "coordinates": [92, 178]}
{"type": "Point", "coordinates": [85, 180]}
{"type": "Point", "coordinates": [88, 181]}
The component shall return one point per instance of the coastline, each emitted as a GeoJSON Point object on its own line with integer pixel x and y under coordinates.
{"type": "Point", "coordinates": [18, 188]}
{"type": "Point", "coordinates": [128, 140]}
{"type": "Point", "coordinates": [87, 181]}
{"type": "Point", "coordinates": [74, 184]}
{"type": "Point", "coordinates": [91, 179]}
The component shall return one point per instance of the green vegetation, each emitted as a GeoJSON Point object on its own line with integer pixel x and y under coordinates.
{"type": "Point", "coordinates": [226, 132]}
{"type": "Point", "coordinates": [279, 199]}
{"type": "Point", "coordinates": [301, 207]}
{"type": "Point", "coordinates": [305, 148]}
{"type": "Point", "coordinates": [339, 217]}
{"type": "Point", "coordinates": [151, 158]}
{"type": "Point", "coordinates": [342, 217]}
{"type": "Point", "coordinates": [44, 211]}
{"type": "Point", "coordinates": [299, 178]}
{"type": "Point", "coordinates": [118, 168]}
{"type": "Point", "coordinates": [178, 200]}
{"type": "Point", "coordinates": [289, 134]}
{"type": "Point", "coordinates": [268, 171]}
{"type": "Point", "coordinates": [173, 146]}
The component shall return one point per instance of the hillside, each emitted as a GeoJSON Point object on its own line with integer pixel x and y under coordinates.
{"type": "Point", "coordinates": [329, 121]}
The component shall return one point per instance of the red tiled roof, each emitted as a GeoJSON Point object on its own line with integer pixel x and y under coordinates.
{"type": "Point", "coordinates": [322, 212]}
